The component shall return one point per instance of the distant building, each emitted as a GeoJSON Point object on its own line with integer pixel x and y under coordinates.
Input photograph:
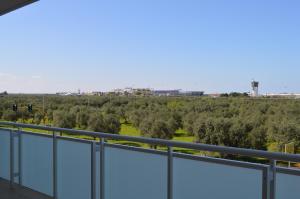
{"type": "Point", "coordinates": [131, 92]}
{"type": "Point", "coordinates": [128, 91]}
{"type": "Point", "coordinates": [117, 92]}
{"type": "Point", "coordinates": [166, 92]}
{"type": "Point", "coordinates": [97, 93]}
{"type": "Point", "coordinates": [142, 92]}
{"type": "Point", "coordinates": [284, 95]}
{"type": "Point", "coordinates": [193, 93]}
{"type": "Point", "coordinates": [68, 94]}
{"type": "Point", "coordinates": [254, 85]}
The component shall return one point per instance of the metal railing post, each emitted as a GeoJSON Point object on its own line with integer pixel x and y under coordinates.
{"type": "Point", "coordinates": [170, 173]}
{"type": "Point", "coordinates": [12, 159]}
{"type": "Point", "coordinates": [102, 171]}
{"type": "Point", "coordinates": [269, 181]}
{"type": "Point", "coordinates": [272, 179]}
{"type": "Point", "coordinates": [265, 183]}
{"type": "Point", "coordinates": [54, 139]}
{"type": "Point", "coordinates": [93, 170]}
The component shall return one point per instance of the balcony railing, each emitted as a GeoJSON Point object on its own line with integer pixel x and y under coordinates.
{"type": "Point", "coordinates": [68, 168]}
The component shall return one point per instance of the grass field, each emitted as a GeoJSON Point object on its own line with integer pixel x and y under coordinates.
{"type": "Point", "coordinates": [180, 135]}
{"type": "Point", "coordinates": [128, 129]}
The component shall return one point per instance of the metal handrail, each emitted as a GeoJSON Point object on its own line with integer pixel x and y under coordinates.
{"type": "Point", "coordinates": [168, 143]}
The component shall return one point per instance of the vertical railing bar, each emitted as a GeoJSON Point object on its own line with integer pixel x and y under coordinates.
{"type": "Point", "coordinates": [170, 173]}
{"type": "Point", "coordinates": [265, 183]}
{"type": "Point", "coordinates": [11, 166]}
{"type": "Point", "coordinates": [273, 179]}
{"type": "Point", "coordinates": [93, 170]}
{"type": "Point", "coordinates": [102, 169]}
{"type": "Point", "coordinates": [20, 157]}
{"type": "Point", "coordinates": [54, 165]}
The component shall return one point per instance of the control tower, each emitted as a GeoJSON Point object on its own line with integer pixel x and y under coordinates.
{"type": "Point", "coordinates": [254, 85]}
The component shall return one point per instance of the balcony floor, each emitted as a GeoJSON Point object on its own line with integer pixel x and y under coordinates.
{"type": "Point", "coordinates": [18, 193]}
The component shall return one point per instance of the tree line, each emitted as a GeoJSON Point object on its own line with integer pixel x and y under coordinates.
{"type": "Point", "coordinates": [234, 120]}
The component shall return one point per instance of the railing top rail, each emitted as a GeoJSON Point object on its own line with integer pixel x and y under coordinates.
{"type": "Point", "coordinates": [194, 146]}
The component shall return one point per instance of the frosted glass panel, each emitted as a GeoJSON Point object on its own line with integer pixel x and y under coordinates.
{"type": "Point", "coordinates": [37, 163]}
{"type": "Point", "coordinates": [287, 186]}
{"type": "Point", "coordinates": [4, 154]}
{"type": "Point", "coordinates": [196, 179]}
{"type": "Point", "coordinates": [134, 175]}
{"type": "Point", "coordinates": [73, 170]}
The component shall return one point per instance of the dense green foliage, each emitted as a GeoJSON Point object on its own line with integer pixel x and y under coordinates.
{"type": "Point", "coordinates": [237, 121]}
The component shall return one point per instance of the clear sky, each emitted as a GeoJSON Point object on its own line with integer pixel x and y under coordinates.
{"type": "Point", "coordinates": [210, 45]}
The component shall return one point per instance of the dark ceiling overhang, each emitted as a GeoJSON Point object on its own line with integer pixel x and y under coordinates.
{"type": "Point", "coordinates": [10, 5]}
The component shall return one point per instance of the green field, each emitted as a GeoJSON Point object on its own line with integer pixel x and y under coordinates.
{"type": "Point", "coordinates": [180, 135]}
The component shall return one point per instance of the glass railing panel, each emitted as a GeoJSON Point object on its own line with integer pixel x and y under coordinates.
{"type": "Point", "coordinates": [288, 185]}
{"type": "Point", "coordinates": [4, 154]}
{"type": "Point", "coordinates": [37, 169]}
{"type": "Point", "coordinates": [194, 179]}
{"type": "Point", "coordinates": [134, 174]}
{"type": "Point", "coordinates": [73, 169]}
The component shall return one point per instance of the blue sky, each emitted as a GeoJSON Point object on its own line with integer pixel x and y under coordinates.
{"type": "Point", "coordinates": [210, 45]}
